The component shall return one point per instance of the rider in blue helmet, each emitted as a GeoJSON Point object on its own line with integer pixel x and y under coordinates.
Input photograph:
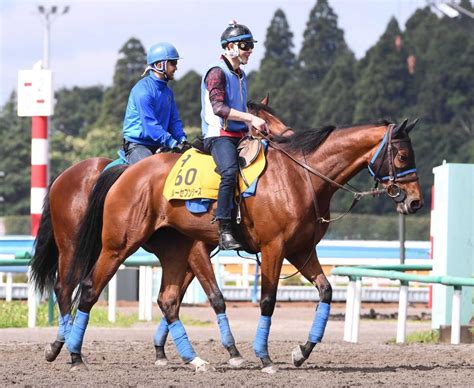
{"type": "Point", "coordinates": [225, 119]}
{"type": "Point", "coordinates": [152, 120]}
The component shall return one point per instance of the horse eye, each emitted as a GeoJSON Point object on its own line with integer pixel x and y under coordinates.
{"type": "Point", "coordinates": [402, 157]}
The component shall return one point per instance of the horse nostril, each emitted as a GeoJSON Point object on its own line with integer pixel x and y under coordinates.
{"type": "Point", "coordinates": [416, 205]}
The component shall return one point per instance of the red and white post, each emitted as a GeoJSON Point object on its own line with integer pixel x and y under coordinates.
{"type": "Point", "coordinates": [35, 100]}
{"type": "Point", "coordinates": [39, 168]}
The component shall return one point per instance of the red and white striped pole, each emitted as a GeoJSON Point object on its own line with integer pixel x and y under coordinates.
{"type": "Point", "coordinates": [39, 169]}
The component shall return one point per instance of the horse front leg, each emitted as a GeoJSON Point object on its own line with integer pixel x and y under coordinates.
{"type": "Point", "coordinates": [162, 330]}
{"type": "Point", "coordinates": [309, 267]}
{"type": "Point", "coordinates": [272, 259]}
{"type": "Point", "coordinates": [200, 264]}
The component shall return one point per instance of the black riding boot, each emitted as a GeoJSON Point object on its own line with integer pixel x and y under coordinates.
{"type": "Point", "coordinates": [226, 239]}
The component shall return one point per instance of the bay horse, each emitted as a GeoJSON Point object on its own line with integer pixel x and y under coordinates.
{"type": "Point", "coordinates": [286, 219]}
{"type": "Point", "coordinates": [64, 207]}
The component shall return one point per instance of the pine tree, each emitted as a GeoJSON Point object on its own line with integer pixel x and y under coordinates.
{"type": "Point", "coordinates": [337, 102]}
{"type": "Point", "coordinates": [383, 78]}
{"type": "Point", "coordinates": [276, 76]}
{"type": "Point", "coordinates": [187, 94]}
{"type": "Point", "coordinates": [129, 67]}
{"type": "Point", "coordinates": [15, 162]}
{"type": "Point", "coordinates": [323, 42]}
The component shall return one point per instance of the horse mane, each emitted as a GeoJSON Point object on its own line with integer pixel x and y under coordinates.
{"type": "Point", "coordinates": [308, 140]}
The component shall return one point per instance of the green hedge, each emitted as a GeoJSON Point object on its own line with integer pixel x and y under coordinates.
{"type": "Point", "coordinates": [17, 225]}
{"type": "Point", "coordinates": [371, 227]}
{"type": "Point", "coordinates": [351, 227]}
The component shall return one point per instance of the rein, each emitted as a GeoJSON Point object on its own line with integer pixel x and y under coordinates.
{"type": "Point", "coordinates": [308, 169]}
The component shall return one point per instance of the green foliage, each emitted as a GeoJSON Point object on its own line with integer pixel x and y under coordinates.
{"type": "Point", "coordinates": [381, 89]}
{"type": "Point", "coordinates": [128, 69]}
{"type": "Point", "coordinates": [17, 225]}
{"type": "Point", "coordinates": [187, 93]}
{"type": "Point", "coordinates": [422, 337]}
{"type": "Point", "coordinates": [377, 227]}
{"type": "Point", "coordinates": [15, 151]}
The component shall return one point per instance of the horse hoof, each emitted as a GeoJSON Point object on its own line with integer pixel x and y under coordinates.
{"type": "Point", "coordinates": [270, 369]}
{"type": "Point", "coordinates": [297, 357]}
{"type": "Point", "coordinates": [79, 366]}
{"type": "Point", "coordinates": [237, 362]}
{"type": "Point", "coordinates": [202, 366]}
{"type": "Point", "coordinates": [160, 362]}
{"type": "Point", "coordinates": [51, 351]}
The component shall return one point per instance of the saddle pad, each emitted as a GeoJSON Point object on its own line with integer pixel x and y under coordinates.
{"type": "Point", "coordinates": [194, 176]}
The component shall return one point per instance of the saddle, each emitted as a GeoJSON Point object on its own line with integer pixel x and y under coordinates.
{"type": "Point", "coordinates": [194, 174]}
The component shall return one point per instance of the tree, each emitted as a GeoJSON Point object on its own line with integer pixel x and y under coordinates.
{"type": "Point", "coordinates": [16, 159]}
{"type": "Point", "coordinates": [187, 93]}
{"type": "Point", "coordinates": [382, 85]}
{"type": "Point", "coordinates": [337, 102]}
{"type": "Point", "coordinates": [276, 76]}
{"type": "Point", "coordinates": [76, 109]}
{"type": "Point", "coordinates": [129, 67]}
{"type": "Point", "coordinates": [323, 42]}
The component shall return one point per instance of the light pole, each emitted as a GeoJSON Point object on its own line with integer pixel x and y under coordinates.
{"type": "Point", "coordinates": [49, 15]}
{"type": "Point", "coordinates": [39, 129]}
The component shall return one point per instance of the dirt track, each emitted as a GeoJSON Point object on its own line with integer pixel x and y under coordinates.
{"type": "Point", "coordinates": [120, 356]}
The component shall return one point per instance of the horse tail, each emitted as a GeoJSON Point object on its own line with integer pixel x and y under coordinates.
{"type": "Point", "coordinates": [44, 263]}
{"type": "Point", "coordinates": [89, 236]}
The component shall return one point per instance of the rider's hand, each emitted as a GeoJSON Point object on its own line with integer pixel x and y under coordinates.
{"type": "Point", "coordinates": [259, 124]}
{"type": "Point", "coordinates": [182, 147]}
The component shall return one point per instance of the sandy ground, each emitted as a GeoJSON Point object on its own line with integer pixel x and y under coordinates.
{"type": "Point", "coordinates": [125, 356]}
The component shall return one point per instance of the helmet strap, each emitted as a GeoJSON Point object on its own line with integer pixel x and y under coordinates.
{"type": "Point", "coordinates": [161, 69]}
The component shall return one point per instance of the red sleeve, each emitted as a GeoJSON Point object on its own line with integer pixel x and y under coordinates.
{"type": "Point", "coordinates": [215, 84]}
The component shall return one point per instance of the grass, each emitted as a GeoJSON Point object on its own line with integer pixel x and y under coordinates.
{"type": "Point", "coordinates": [421, 337]}
{"type": "Point", "coordinates": [15, 314]}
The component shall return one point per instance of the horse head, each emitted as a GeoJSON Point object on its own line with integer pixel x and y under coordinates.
{"type": "Point", "coordinates": [264, 111]}
{"type": "Point", "coordinates": [393, 166]}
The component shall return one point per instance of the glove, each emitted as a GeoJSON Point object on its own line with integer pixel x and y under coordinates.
{"type": "Point", "coordinates": [170, 143]}
{"type": "Point", "coordinates": [182, 147]}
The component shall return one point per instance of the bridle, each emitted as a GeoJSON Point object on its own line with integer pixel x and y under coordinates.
{"type": "Point", "coordinates": [376, 167]}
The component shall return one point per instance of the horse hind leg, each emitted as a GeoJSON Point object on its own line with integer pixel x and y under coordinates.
{"type": "Point", "coordinates": [312, 271]}
{"type": "Point", "coordinates": [63, 292]}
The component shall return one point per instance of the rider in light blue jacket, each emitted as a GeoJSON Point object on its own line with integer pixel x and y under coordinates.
{"type": "Point", "coordinates": [152, 118]}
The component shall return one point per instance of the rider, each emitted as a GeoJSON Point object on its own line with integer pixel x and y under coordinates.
{"type": "Point", "coordinates": [151, 119]}
{"type": "Point", "coordinates": [225, 119]}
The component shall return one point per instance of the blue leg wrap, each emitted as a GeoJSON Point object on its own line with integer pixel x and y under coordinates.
{"type": "Point", "coordinates": [74, 341]}
{"type": "Point", "coordinates": [180, 338]}
{"type": "Point", "coordinates": [260, 345]}
{"type": "Point", "coordinates": [63, 326]}
{"type": "Point", "coordinates": [319, 324]}
{"type": "Point", "coordinates": [227, 338]}
{"type": "Point", "coordinates": [161, 333]}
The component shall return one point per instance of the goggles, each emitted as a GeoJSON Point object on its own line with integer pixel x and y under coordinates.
{"type": "Point", "coordinates": [174, 62]}
{"type": "Point", "coordinates": [245, 45]}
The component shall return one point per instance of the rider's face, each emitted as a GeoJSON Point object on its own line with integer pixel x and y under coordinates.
{"type": "Point", "coordinates": [245, 50]}
{"type": "Point", "coordinates": [171, 67]}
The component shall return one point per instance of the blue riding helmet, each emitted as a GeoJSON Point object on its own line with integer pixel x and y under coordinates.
{"type": "Point", "coordinates": [162, 51]}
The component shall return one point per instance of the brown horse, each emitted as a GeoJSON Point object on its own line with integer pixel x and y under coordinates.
{"type": "Point", "coordinates": [286, 218]}
{"type": "Point", "coordinates": [64, 207]}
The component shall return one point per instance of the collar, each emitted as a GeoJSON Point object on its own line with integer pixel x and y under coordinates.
{"type": "Point", "coordinates": [229, 65]}
{"type": "Point", "coordinates": [155, 78]}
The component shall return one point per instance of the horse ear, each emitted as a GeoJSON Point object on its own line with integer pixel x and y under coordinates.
{"type": "Point", "coordinates": [410, 126]}
{"type": "Point", "coordinates": [400, 127]}
{"type": "Point", "coordinates": [266, 100]}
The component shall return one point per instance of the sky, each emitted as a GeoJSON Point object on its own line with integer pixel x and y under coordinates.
{"type": "Point", "coordinates": [85, 41]}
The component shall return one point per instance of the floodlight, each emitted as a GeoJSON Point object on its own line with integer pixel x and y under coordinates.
{"type": "Point", "coordinates": [448, 10]}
